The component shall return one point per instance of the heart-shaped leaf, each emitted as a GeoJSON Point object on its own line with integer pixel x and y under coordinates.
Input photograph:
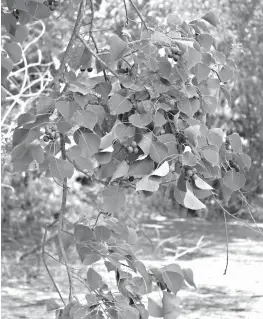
{"type": "Point", "coordinates": [113, 199]}
{"type": "Point", "coordinates": [234, 180]}
{"type": "Point", "coordinates": [158, 151]}
{"type": "Point", "coordinates": [201, 71]}
{"type": "Point", "coordinates": [60, 168]}
{"type": "Point", "coordinates": [117, 48]}
{"type": "Point", "coordinates": [189, 276]}
{"type": "Point", "coordinates": [119, 104]}
{"type": "Point", "coordinates": [173, 277]}
{"type": "Point", "coordinates": [85, 118]}
{"type": "Point", "coordinates": [83, 233]}
{"type": "Point", "coordinates": [235, 142]}
{"type": "Point", "coordinates": [211, 18]}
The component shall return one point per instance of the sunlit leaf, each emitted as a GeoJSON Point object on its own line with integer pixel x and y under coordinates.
{"type": "Point", "coordinates": [158, 151]}
{"type": "Point", "coordinates": [117, 47]}
{"type": "Point", "coordinates": [60, 168]}
{"type": "Point", "coordinates": [94, 279]}
{"type": "Point", "coordinates": [236, 143]}
{"type": "Point", "coordinates": [119, 104]}
{"type": "Point", "coordinates": [173, 277]}
{"type": "Point", "coordinates": [113, 199]}
{"type": "Point", "coordinates": [85, 118]}
{"type": "Point", "coordinates": [225, 74]}
{"type": "Point", "coordinates": [211, 18]}
{"type": "Point", "coordinates": [234, 180]}
{"type": "Point", "coordinates": [83, 233]}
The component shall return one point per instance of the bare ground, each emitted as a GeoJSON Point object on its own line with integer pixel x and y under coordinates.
{"type": "Point", "coordinates": [236, 295]}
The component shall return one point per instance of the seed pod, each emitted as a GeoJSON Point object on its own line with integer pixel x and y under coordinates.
{"type": "Point", "coordinates": [176, 57]}
{"type": "Point", "coordinates": [57, 135]}
{"type": "Point", "coordinates": [52, 7]}
{"type": "Point", "coordinates": [189, 173]}
{"type": "Point", "coordinates": [90, 69]}
{"type": "Point", "coordinates": [56, 3]}
{"type": "Point", "coordinates": [194, 177]}
{"type": "Point", "coordinates": [134, 143]}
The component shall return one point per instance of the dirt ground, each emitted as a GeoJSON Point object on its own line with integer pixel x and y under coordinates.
{"type": "Point", "coordinates": [236, 295]}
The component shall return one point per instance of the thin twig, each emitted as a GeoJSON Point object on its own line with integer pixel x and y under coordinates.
{"type": "Point", "coordinates": [61, 218]}
{"type": "Point", "coordinates": [226, 244]}
{"type": "Point", "coordinates": [126, 11]}
{"type": "Point", "coordinates": [97, 57]}
{"type": "Point", "coordinates": [72, 38]}
{"type": "Point", "coordinates": [46, 266]}
{"type": "Point", "coordinates": [91, 33]}
{"type": "Point", "coordinates": [139, 14]}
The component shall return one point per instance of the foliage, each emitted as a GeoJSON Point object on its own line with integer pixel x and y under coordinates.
{"type": "Point", "coordinates": [130, 115]}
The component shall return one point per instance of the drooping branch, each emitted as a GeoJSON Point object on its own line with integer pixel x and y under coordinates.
{"type": "Point", "coordinates": [97, 57]}
{"type": "Point", "coordinates": [139, 14]}
{"type": "Point", "coordinates": [72, 38]}
{"type": "Point", "coordinates": [61, 218]}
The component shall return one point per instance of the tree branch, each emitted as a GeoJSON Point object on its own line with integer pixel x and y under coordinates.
{"type": "Point", "coordinates": [61, 217]}
{"type": "Point", "coordinates": [97, 57]}
{"type": "Point", "coordinates": [139, 14]}
{"type": "Point", "coordinates": [46, 266]}
{"type": "Point", "coordinates": [72, 38]}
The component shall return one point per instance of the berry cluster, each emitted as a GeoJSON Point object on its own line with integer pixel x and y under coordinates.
{"type": "Point", "coordinates": [190, 174]}
{"type": "Point", "coordinates": [175, 54]}
{"type": "Point", "coordinates": [132, 148]}
{"type": "Point", "coordinates": [90, 69]}
{"type": "Point", "coordinates": [51, 4]}
{"type": "Point", "coordinates": [51, 133]}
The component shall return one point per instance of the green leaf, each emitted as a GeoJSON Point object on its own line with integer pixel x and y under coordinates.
{"type": "Point", "coordinates": [82, 163]}
{"type": "Point", "coordinates": [171, 306]}
{"type": "Point", "coordinates": [211, 156]}
{"type": "Point", "coordinates": [209, 104]}
{"type": "Point", "coordinates": [104, 157]}
{"type": "Point", "coordinates": [14, 51]}
{"type": "Point", "coordinates": [146, 184]}
{"type": "Point", "coordinates": [201, 71]}
{"type": "Point", "coordinates": [123, 132]}
{"type": "Point", "coordinates": [173, 20]}
{"type": "Point", "coordinates": [141, 167]}
{"type": "Point", "coordinates": [211, 18]}
{"type": "Point", "coordinates": [6, 67]}
{"type": "Point", "coordinates": [191, 133]}
{"type": "Point", "coordinates": [158, 151]}
{"type": "Point", "coordinates": [246, 160]}
{"type": "Point", "coordinates": [21, 34]}
{"type": "Point", "coordinates": [66, 109]}
{"type": "Point", "coordinates": [140, 120]}
{"type": "Point", "coordinates": [189, 159]}
{"type": "Point", "coordinates": [45, 104]}
{"type": "Point", "coordinates": [192, 202]}
{"type": "Point", "coordinates": [132, 238]}
{"type": "Point", "coordinates": [205, 40]}
{"type": "Point", "coordinates": [37, 153]}
{"type": "Point", "coordinates": [225, 74]}
{"type": "Point", "coordinates": [193, 57]}
{"type": "Point", "coordinates": [117, 48]}
{"type": "Point", "coordinates": [162, 170]}
{"type": "Point", "coordinates": [187, 107]}
{"type": "Point", "coordinates": [146, 142]}
{"type": "Point", "coordinates": [60, 168]}
{"type": "Point", "coordinates": [94, 279]}
{"type": "Point", "coordinates": [215, 136]}
{"type": "Point", "coordinates": [121, 170]}
{"type": "Point", "coordinates": [38, 10]}
{"type": "Point", "coordinates": [25, 118]}
{"type": "Point", "coordinates": [85, 118]}
{"type": "Point", "coordinates": [179, 196]}
{"type": "Point", "coordinates": [234, 180]}
{"type": "Point", "coordinates": [160, 38]}
{"type": "Point", "coordinates": [83, 233]}
{"type": "Point", "coordinates": [173, 277]}
{"type": "Point", "coordinates": [52, 305]}
{"type": "Point", "coordinates": [102, 233]}
{"type": "Point", "coordinates": [202, 184]}
{"type": "Point", "coordinates": [89, 144]}
{"type": "Point", "coordinates": [189, 276]}
{"type": "Point", "coordinates": [226, 93]}
{"type": "Point", "coordinates": [155, 310]}
{"type": "Point", "coordinates": [113, 199]}
{"type": "Point", "coordinates": [119, 104]}
{"type": "Point", "coordinates": [236, 143]}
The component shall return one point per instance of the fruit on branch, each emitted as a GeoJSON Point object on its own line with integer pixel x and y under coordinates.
{"type": "Point", "coordinates": [90, 69]}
